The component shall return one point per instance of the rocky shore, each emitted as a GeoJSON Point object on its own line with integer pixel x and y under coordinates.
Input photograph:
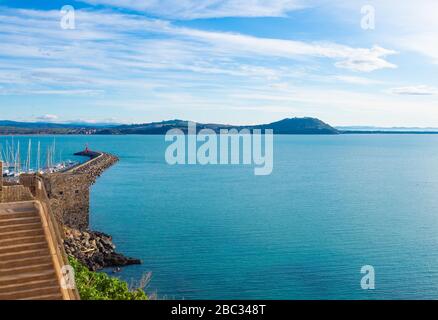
{"type": "Point", "coordinates": [94, 249]}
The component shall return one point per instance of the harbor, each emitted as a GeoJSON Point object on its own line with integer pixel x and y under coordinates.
{"type": "Point", "coordinates": [18, 159]}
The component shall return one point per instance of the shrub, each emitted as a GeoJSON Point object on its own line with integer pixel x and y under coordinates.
{"type": "Point", "coordinates": [100, 286]}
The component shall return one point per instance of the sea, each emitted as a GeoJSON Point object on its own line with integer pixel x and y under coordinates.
{"type": "Point", "coordinates": [332, 205]}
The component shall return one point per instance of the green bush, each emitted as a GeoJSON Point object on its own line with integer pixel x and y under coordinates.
{"type": "Point", "coordinates": [100, 286]}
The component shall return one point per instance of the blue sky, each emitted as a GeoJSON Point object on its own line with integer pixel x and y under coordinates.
{"type": "Point", "coordinates": [227, 61]}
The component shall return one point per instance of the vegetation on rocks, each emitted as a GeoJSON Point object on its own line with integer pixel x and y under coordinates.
{"type": "Point", "coordinates": [100, 286]}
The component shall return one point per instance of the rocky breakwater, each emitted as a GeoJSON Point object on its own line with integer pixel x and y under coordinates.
{"type": "Point", "coordinates": [98, 163]}
{"type": "Point", "coordinates": [94, 249]}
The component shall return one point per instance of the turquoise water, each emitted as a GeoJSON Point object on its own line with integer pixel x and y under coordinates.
{"type": "Point", "coordinates": [331, 205]}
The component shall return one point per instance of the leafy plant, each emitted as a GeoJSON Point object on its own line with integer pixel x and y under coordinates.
{"type": "Point", "coordinates": [100, 286]}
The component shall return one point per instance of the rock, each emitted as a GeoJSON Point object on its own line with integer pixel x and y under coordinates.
{"type": "Point", "coordinates": [95, 250]}
{"type": "Point", "coordinates": [118, 260]}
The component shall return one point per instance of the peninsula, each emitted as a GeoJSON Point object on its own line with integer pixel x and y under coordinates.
{"type": "Point", "coordinates": [285, 126]}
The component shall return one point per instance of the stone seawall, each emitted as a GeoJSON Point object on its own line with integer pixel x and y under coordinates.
{"type": "Point", "coordinates": [69, 192]}
{"type": "Point", "coordinates": [70, 199]}
{"type": "Point", "coordinates": [95, 166]}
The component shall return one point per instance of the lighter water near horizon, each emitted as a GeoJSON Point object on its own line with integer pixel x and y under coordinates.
{"type": "Point", "coordinates": [332, 205]}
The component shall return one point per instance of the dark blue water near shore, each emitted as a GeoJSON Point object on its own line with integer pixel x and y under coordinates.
{"type": "Point", "coordinates": [332, 205]}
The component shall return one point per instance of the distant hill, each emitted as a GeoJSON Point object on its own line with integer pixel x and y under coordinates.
{"type": "Point", "coordinates": [286, 126]}
{"type": "Point", "coordinates": [8, 127]}
{"type": "Point", "coordinates": [16, 124]}
{"type": "Point", "coordinates": [299, 126]}
{"type": "Point", "coordinates": [305, 126]}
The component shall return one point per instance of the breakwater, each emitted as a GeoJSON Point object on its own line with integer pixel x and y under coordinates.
{"type": "Point", "coordinates": [69, 191]}
{"type": "Point", "coordinates": [69, 196]}
{"type": "Point", "coordinates": [98, 163]}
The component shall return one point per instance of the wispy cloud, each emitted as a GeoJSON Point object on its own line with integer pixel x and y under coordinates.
{"type": "Point", "coordinates": [195, 9]}
{"type": "Point", "coordinates": [356, 80]}
{"type": "Point", "coordinates": [96, 54]}
{"type": "Point", "coordinates": [405, 25]}
{"type": "Point", "coordinates": [47, 117]}
{"type": "Point", "coordinates": [117, 61]}
{"type": "Point", "coordinates": [421, 90]}
{"type": "Point", "coordinates": [357, 59]}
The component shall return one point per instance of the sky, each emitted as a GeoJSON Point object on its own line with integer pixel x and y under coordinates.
{"type": "Point", "coordinates": [346, 62]}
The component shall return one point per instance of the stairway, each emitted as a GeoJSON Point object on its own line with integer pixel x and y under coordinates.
{"type": "Point", "coordinates": [27, 270]}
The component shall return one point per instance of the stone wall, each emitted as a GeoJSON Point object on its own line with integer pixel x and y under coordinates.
{"type": "Point", "coordinates": [95, 167]}
{"type": "Point", "coordinates": [69, 192]}
{"type": "Point", "coordinates": [69, 196]}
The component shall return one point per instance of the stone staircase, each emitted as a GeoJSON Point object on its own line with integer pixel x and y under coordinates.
{"type": "Point", "coordinates": [27, 269]}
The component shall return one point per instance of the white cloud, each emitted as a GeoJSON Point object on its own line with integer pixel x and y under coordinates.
{"type": "Point", "coordinates": [356, 59]}
{"type": "Point", "coordinates": [405, 25]}
{"type": "Point", "coordinates": [420, 90]}
{"type": "Point", "coordinates": [425, 43]}
{"type": "Point", "coordinates": [356, 80]}
{"type": "Point", "coordinates": [47, 117]}
{"type": "Point", "coordinates": [172, 71]}
{"type": "Point", "coordinates": [96, 57]}
{"type": "Point", "coordinates": [367, 60]}
{"type": "Point", "coordinates": [195, 9]}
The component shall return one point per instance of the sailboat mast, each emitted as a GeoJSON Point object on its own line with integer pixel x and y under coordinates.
{"type": "Point", "coordinates": [29, 150]}
{"type": "Point", "coordinates": [39, 156]}
{"type": "Point", "coordinates": [18, 158]}
{"type": "Point", "coordinates": [48, 158]}
{"type": "Point", "coordinates": [13, 149]}
{"type": "Point", "coordinates": [54, 151]}
{"type": "Point", "coordinates": [8, 154]}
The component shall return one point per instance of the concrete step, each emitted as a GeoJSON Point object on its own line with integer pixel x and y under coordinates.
{"type": "Point", "coordinates": [18, 263]}
{"type": "Point", "coordinates": [30, 293]}
{"type": "Point", "coordinates": [43, 267]}
{"type": "Point", "coordinates": [45, 297]}
{"type": "Point", "coordinates": [23, 247]}
{"type": "Point", "coordinates": [27, 270]}
{"type": "Point", "coordinates": [19, 221]}
{"type": "Point", "coordinates": [27, 277]}
{"type": "Point", "coordinates": [15, 215]}
{"type": "Point", "coordinates": [21, 234]}
{"type": "Point", "coordinates": [22, 206]}
{"type": "Point", "coordinates": [22, 241]}
{"type": "Point", "coordinates": [21, 227]}
{"type": "Point", "coordinates": [29, 285]}
{"type": "Point", "coordinates": [25, 254]}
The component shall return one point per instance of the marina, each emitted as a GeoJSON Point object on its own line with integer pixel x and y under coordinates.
{"type": "Point", "coordinates": [42, 160]}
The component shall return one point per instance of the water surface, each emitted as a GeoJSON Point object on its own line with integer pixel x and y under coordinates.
{"type": "Point", "coordinates": [331, 205]}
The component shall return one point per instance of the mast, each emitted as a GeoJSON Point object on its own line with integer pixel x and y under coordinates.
{"type": "Point", "coordinates": [12, 150]}
{"type": "Point", "coordinates": [18, 158]}
{"type": "Point", "coordinates": [29, 150]}
{"type": "Point", "coordinates": [48, 158]}
{"type": "Point", "coordinates": [54, 151]}
{"type": "Point", "coordinates": [15, 159]}
{"type": "Point", "coordinates": [39, 156]}
{"type": "Point", "coordinates": [8, 154]}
